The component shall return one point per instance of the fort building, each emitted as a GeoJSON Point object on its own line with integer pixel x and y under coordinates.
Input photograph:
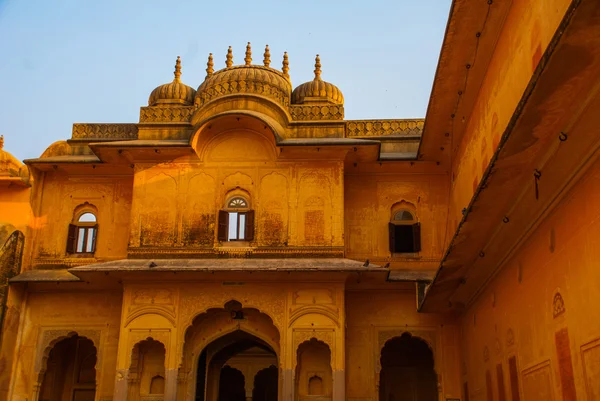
{"type": "Point", "coordinates": [244, 241]}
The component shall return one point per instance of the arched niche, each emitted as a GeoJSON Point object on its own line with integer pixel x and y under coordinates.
{"type": "Point", "coordinates": [407, 367]}
{"type": "Point", "coordinates": [229, 137]}
{"type": "Point", "coordinates": [274, 115]}
{"type": "Point", "coordinates": [313, 372]}
{"type": "Point", "coordinates": [147, 370]}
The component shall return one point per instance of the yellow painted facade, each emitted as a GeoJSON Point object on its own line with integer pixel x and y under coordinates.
{"type": "Point", "coordinates": [244, 241]}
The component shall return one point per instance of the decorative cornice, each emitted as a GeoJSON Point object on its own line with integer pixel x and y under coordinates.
{"type": "Point", "coordinates": [367, 128]}
{"type": "Point", "coordinates": [329, 112]}
{"type": "Point", "coordinates": [166, 114]}
{"type": "Point", "coordinates": [61, 263]}
{"type": "Point", "coordinates": [225, 252]}
{"type": "Point", "coordinates": [105, 131]}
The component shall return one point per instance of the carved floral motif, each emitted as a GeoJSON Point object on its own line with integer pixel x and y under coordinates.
{"type": "Point", "coordinates": [558, 307]}
{"type": "Point", "coordinates": [359, 128]}
{"type": "Point", "coordinates": [270, 302]}
{"type": "Point", "coordinates": [105, 131]}
{"type": "Point", "coordinates": [242, 86]}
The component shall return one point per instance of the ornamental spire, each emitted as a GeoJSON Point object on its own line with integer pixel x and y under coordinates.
{"type": "Point", "coordinates": [1, 141]}
{"type": "Point", "coordinates": [286, 66]}
{"type": "Point", "coordinates": [209, 65]}
{"type": "Point", "coordinates": [229, 60]}
{"type": "Point", "coordinates": [248, 58]}
{"type": "Point", "coordinates": [317, 68]}
{"type": "Point", "coordinates": [177, 72]}
{"type": "Point", "coordinates": [267, 59]}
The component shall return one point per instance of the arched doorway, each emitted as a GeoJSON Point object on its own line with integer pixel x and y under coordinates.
{"type": "Point", "coordinates": [407, 370]}
{"type": "Point", "coordinates": [223, 353]}
{"type": "Point", "coordinates": [230, 364]}
{"type": "Point", "coordinates": [265, 384]}
{"type": "Point", "coordinates": [147, 371]}
{"type": "Point", "coordinates": [314, 376]}
{"type": "Point", "coordinates": [70, 371]}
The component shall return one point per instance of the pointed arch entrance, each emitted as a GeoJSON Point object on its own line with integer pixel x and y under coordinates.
{"type": "Point", "coordinates": [407, 370]}
{"type": "Point", "coordinates": [227, 352]}
{"type": "Point", "coordinates": [70, 372]}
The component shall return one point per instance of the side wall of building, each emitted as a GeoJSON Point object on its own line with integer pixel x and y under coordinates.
{"type": "Point", "coordinates": [52, 316]}
{"type": "Point", "coordinates": [376, 317]}
{"type": "Point", "coordinates": [535, 330]}
{"type": "Point", "coordinates": [527, 31]}
{"type": "Point", "coordinates": [369, 200]}
{"type": "Point", "coordinates": [59, 198]}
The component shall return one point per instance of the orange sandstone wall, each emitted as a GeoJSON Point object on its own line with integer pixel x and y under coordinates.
{"type": "Point", "coordinates": [373, 318]}
{"type": "Point", "coordinates": [51, 315]}
{"type": "Point", "coordinates": [528, 29]}
{"type": "Point", "coordinates": [62, 194]}
{"type": "Point", "coordinates": [542, 310]}
{"type": "Point", "coordinates": [15, 208]}
{"type": "Point", "coordinates": [368, 209]}
{"type": "Point", "coordinates": [296, 203]}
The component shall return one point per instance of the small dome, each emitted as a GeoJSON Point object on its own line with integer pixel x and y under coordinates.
{"type": "Point", "coordinates": [317, 90]}
{"type": "Point", "coordinates": [174, 93]}
{"type": "Point", "coordinates": [248, 78]}
{"type": "Point", "coordinates": [10, 166]}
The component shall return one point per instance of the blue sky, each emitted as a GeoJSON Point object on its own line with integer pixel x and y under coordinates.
{"type": "Point", "coordinates": [67, 61]}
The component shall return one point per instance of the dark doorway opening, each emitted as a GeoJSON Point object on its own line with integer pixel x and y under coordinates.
{"type": "Point", "coordinates": [70, 371]}
{"type": "Point", "coordinates": [407, 371]}
{"type": "Point", "coordinates": [237, 367]}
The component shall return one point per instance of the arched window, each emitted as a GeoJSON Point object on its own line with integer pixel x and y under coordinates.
{"type": "Point", "coordinates": [82, 234]}
{"type": "Point", "coordinates": [236, 221]}
{"type": "Point", "coordinates": [404, 232]}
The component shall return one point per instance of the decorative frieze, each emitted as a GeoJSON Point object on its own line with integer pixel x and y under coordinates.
{"type": "Point", "coordinates": [166, 114]}
{"type": "Point", "coordinates": [362, 128]}
{"type": "Point", "coordinates": [321, 112]}
{"type": "Point", "coordinates": [105, 131]}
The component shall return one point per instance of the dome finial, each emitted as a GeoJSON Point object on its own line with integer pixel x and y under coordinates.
{"type": "Point", "coordinates": [286, 66]}
{"type": "Point", "coordinates": [248, 58]}
{"type": "Point", "coordinates": [229, 60]}
{"type": "Point", "coordinates": [177, 72]}
{"type": "Point", "coordinates": [317, 68]}
{"type": "Point", "coordinates": [1, 141]}
{"type": "Point", "coordinates": [209, 65]}
{"type": "Point", "coordinates": [267, 59]}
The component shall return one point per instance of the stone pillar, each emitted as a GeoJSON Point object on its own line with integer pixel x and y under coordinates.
{"type": "Point", "coordinates": [339, 385]}
{"type": "Point", "coordinates": [287, 384]}
{"type": "Point", "coordinates": [121, 385]}
{"type": "Point", "coordinates": [171, 385]}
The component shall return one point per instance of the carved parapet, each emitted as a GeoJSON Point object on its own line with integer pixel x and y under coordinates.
{"type": "Point", "coordinates": [105, 131]}
{"type": "Point", "coordinates": [314, 112]}
{"type": "Point", "coordinates": [166, 114]}
{"type": "Point", "coordinates": [369, 128]}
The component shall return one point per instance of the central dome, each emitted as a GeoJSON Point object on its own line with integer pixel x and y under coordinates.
{"type": "Point", "coordinates": [261, 80]}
